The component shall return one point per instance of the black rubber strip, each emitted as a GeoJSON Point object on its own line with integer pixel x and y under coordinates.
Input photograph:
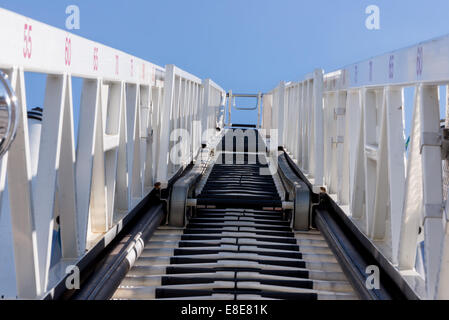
{"type": "Point", "coordinates": [106, 280]}
{"type": "Point", "coordinates": [342, 235]}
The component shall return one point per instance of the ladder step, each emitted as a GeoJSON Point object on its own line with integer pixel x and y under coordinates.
{"type": "Point", "coordinates": [243, 247]}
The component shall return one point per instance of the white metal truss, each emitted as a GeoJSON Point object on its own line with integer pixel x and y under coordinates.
{"type": "Point", "coordinates": [394, 198]}
{"type": "Point", "coordinates": [295, 109]}
{"type": "Point", "coordinates": [128, 110]}
{"type": "Point", "coordinates": [190, 108]}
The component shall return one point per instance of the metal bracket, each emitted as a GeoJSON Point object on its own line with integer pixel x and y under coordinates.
{"type": "Point", "coordinates": [339, 112]}
{"type": "Point", "coordinates": [337, 140]}
{"type": "Point", "coordinates": [430, 139]}
{"type": "Point", "coordinates": [437, 139]}
{"type": "Point", "coordinates": [299, 196]}
{"type": "Point", "coordinates": [180, 197]}
{"type": "Point", "coordinates": [433, 211]}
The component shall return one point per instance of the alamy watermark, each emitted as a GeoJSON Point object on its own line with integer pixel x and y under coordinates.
{"type": "Point", "coordinates": [372, 22]}
{"type": "Point", "coordinates": [73, 20]}
{"type": "Point", "coordinates": [373, 279]}
{"type": "Point", "coordinates": [72, 282]}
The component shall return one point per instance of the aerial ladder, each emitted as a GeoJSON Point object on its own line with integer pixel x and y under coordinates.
{"type": "Point", "coordinates": [131, 180]}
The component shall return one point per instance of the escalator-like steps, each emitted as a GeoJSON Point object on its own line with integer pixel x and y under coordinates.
{"type": "Point", "coordinates": [240, 186]}
{"type": "Point", "coordinates": [237, 244]}
{"type": "Point", "coordinates": [235, 254]}
{"type": "Point", "coordinates": [239, 182]}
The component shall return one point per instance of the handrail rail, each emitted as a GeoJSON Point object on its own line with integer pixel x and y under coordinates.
{"type": "Point", "coordinates": [38, 47]}
{"type": "Point", "coordinates": [424, 62]}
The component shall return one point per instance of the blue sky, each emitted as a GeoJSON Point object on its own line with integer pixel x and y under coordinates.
{"type": "Point", "coordinates": [247, 45]}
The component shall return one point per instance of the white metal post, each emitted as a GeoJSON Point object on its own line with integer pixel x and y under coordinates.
{"type": "Point", "coordinates": [395, 161]}
{"type": "Point", "coordinates": [305, 126]}
{"type": "Point", "coordinates": [358, 190]}
{"type": "Point", "coordinates": [281, 113]}
{"type": "Point", "coordinates": [342, 152]}
{"type": "Point", "coordinates": [229, 108]}
{"type": "Point", "coordinates": [121, 203]}
{"type": "Point", "coordinates": [259, 105]}
{"type": "Point", "coordinates": [26, 261]}
{"type": "Point", "coordinates": [318, 134]}
{"type": "Point", "coordinates": [432, 182]}
{"type": "Point", "coordinates": [162, 174]}
{"type": "Point", "coordinates": [413, 198]}
{"type": "Point", "coordinates": [85, 154]}
{"type": "Point", "coordinates": [207, 110]}
{"type": "Point", "coordinates": [45, 184]}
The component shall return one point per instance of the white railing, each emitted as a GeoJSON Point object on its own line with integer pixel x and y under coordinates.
{"type": "Point", "coordinates": [353, 130]}
{"type": "Point", "coordinates": [127, 111]}
{"type": "Point", "coordinates": [297, 113]}
{"type": "Point", "coordinates": [187, 106]}
{"type": "Point", "coordinates": [214, 102]}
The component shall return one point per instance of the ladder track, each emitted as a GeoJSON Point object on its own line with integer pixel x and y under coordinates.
{"type": "Point", "coordinates": [231, 252]}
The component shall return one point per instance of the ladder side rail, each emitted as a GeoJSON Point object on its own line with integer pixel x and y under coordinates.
{"type": "Point", "coordinates": [92, 181]}
{"type": "Point", "coordinates": [395, 197]}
